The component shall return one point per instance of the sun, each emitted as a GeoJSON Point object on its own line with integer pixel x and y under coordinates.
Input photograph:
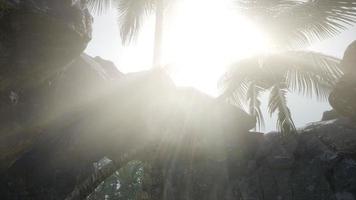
{"type": "Point", "coordinates": [202, 37]}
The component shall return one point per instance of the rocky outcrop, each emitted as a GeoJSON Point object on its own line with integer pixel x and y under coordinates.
{"type": "Point", "coordinates": [330, 114]}
{"type": "Point", "coordinates": [62, 110]}
{"type": "Point", "coordinates": [109, 67]}
{"type": "Point", "coordinates": [37, 36]}
{"type": "Point", "coordinates": [318, 164]}
{"type": "Point", "coordinates": [119, 122]}
{"type": "Point", "coordinates": [342, 98]}
{"type": "Point", "coordinates": [38, 39]}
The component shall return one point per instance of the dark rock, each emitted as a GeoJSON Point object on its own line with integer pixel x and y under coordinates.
{"type": "Point", "coordinates": [37, 39]}
{"type": "Point", "coordinates": [339, 135]}
{"type": "Point", "coordinates": [348, 64]}
{"type": "Point", "coordinates": [36, 35]}
{"type": "Point", "coordinates": [317, 164]}
{"type": "Point", "coordinates": [343, 97]}
{"type": "Point", "coordinates": [91, 116]}
{"type": "Point", "coordinates": [330, 115]}
{"type": "Point", "coordinates": [315, 169]}
{"type": "Point", "coordinates": [26, 113]}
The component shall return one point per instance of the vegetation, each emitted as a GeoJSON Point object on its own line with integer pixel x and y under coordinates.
{"type": "Point", "coordinates": [132, 13]}
{"type": "Point", "coordinates": [304, 72]}
{"type": "Point", "coordinates": [291, 25]}
{"type": "Point", "coordinates": [124, 184]}
{"type": "Point", "coordinates": [4, 6]}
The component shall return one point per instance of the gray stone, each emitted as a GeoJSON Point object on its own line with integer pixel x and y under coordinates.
{"type": "Point", "coordinates": [343, 96]}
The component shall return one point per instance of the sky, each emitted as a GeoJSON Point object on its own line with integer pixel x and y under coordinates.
{"type": "Point", "coordinates": [198, 46]}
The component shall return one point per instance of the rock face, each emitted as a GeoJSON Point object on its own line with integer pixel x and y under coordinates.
{"type": "Point", "coordinates": [38, 34]}
{"type": "Point", "coordinates": [317, 164]}
{"type": "Point", "coordinates": [114, 122]}
{"type": "Point", "coordinates": [342, 98]}
{"type": "Point", "coordinates": [37, 39]}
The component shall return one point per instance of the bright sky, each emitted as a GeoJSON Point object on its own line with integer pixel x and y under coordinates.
{"type": "Point", "coordinates": [200, 39]}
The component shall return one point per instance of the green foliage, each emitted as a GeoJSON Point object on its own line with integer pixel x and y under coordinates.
{"type": "Point", "coordinates": [124, 184]}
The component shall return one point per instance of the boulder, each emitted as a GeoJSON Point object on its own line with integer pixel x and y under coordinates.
{"type": "Point", "coordinates": [318, 163]}
{"type": "Point", "coordinates": [86, 115]}
{"type": "Point", "coordinates": [343, 96]}
{"type": "Point", "coordinates": [26, 113]}
{"type": "Point", "coordinates": [38, 39]}
{"type": "Point", "coordinates": [37, 35]}
{"type": "Point", "coordinates": [330, 115]}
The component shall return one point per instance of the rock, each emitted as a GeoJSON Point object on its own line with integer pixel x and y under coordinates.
{"type": "Point", "coordinates": [316, 164]}
{"type": "Point", "coordinates": [109, 67]}
{"type": "Point", "coordinates": [348, 64]}
{"type": "Point", "coordinates": [37, 39]}
{"type": "Point", "coordinates": [343, 96]}
{"type": "Point", "coordinates": [339, 135]}
{"type": "Point", "coordinates": [330, 115]}
{"type": "Point", "coordinates": [25, 113]}
{"type": "Point", "coordinates": [36, 35]}
{"type": "Point", "coordinates": [92, 116]}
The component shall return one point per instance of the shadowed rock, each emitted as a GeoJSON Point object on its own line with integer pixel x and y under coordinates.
{"type": "Point", "coordinates": [37, 38]}
{"type": "Point", "coordinates": [343, 97]}
{"type": "Point", "coordinates": [86, 115]}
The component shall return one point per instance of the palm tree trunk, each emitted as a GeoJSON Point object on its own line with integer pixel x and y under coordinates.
{"type": "Point", "coordinates": [158, 34]}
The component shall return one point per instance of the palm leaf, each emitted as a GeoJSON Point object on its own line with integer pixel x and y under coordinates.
{"type": "Point", "coordinates": [297, 23]}
{"type": "Point", "coordinates": [100, 6]}
{"type": "Point", "coordinates": [307, 73]}
{"type": "Point", "coordinates": [315, 20]}
{"type": "Point", "coordinates": [236, 80]}
{"type": "Point", "coordinates": [278, 103]}
{"type": "Point", "coordinates": [253, 94]}
{"type": "Point", "coordinates": [131, 16]}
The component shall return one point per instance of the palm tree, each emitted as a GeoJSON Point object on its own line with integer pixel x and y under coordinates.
{"type": "Point", "coordinates": [132, 13]}
{"type": "Point", "coordinates": [291, 25]}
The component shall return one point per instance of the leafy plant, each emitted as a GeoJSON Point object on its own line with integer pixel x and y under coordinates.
{"type": "Point", "coordinates": [124, 184]}
{"type": "Point", "coordinates": [299, 23]}
{"type": "Point", "coordinates": [291, 25]}
{"type": "Point", "coordinates": [132, 14]}
{"type": "Point", "coordinates": [307, 73]}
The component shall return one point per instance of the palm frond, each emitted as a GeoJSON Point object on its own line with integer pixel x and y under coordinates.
{"type": "Point", "coordinates": [252, 95]}
{"type": "Point", "coordinates": [316, 20]}
{"type": "Point", "coordinates": [258, 8]}
{"type": "Point", "coordinates": [307, 73]}
{"type": "Point", "coordinates": [100, 6]}
{"type": "Point", "coordinates": [131, 16]}
{"type": "Point", "coordinates": [234, 83]}
{"type": "Point", "coordinates": [297, 23]}
{"type": "Point", "coordinates": [278, 103]}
